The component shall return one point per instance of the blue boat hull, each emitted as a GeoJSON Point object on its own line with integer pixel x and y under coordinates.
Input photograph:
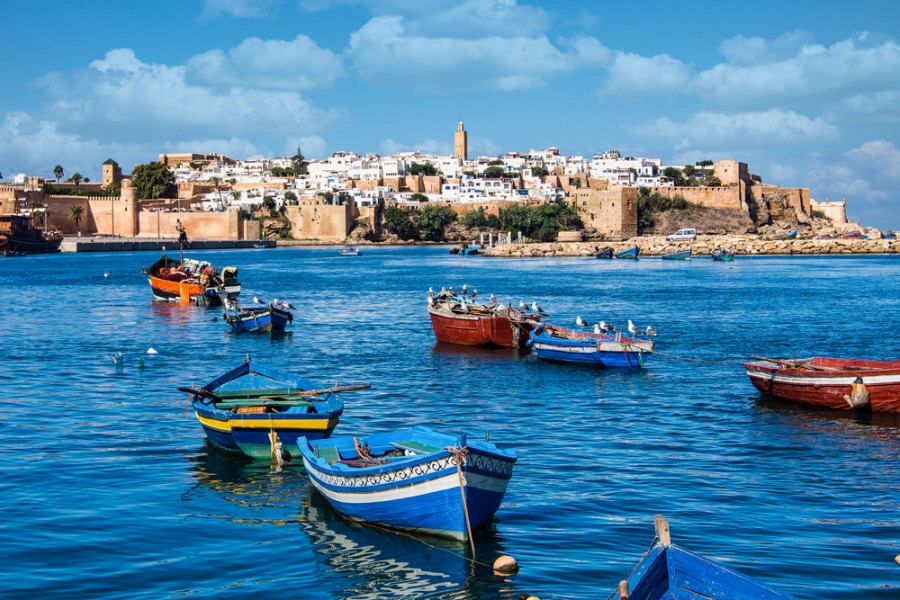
{"type": "Point", "coordinates": [253, 320]}
{"type": "Point", "coordinates": [672, 572]}
{"type": "Point", "coordinates": [591, 349]}
{"type": "Point", "coordinates": [723, 256]}
{"type": "Point", "coordinates": [630, 253]}
{"type": "Point", "coordinates": [680, 255]}
{"type": "Point", "coordinates": [421, 492]}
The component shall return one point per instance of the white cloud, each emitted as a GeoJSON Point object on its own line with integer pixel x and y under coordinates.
{"type": "Point", "coordinates": [298, 64]}
{"type": "Point", "coordinates": [815, 74]}
{"type": "Point", "coordinates": [766, 128]}
{"type": "Point", "coordinates": [213, 9]}
{"type": "Point", "coordinates": [748, 51]}
{"type": "Point", "coordinates": [145, 101]}
{"type": "Point", "coordinates": [633, 75]}
{"type": "Point", "coordinates": [385, 52]}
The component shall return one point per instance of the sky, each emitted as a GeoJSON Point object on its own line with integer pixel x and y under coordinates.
{"type": "Point", "coordinates": [806, 93]}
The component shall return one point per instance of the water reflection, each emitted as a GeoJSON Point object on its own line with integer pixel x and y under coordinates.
{"type": "Point", "coordinates": [239, 489]}
{"type": "Point", "coordinates": [373, 563]}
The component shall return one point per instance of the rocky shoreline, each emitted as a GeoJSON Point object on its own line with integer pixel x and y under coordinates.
{"type": "Point", "coordinates": [658, 246]}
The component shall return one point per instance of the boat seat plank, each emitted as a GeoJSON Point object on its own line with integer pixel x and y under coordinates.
{"type": "Point", "coordinates": [228, 404]}
{"type": "Point", "coordinates": [415, 446]}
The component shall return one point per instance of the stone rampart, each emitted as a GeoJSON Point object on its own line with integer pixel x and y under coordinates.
{"type": "Point", "coordinates": [657, 246]}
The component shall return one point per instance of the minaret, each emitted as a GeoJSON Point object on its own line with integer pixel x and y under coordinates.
{"type": "Point", "coordinates": [461, 143]}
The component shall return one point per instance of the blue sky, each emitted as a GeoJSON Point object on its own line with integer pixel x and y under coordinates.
{"type": "Point", "coordinates": [806, 93]}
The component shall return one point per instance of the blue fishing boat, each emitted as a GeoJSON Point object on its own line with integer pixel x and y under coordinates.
{"type": "Point", "coordinates": [667, 571]}
{"type": "Point", "coordinates": [349, 251]}
{"type": "Point", "coordinates": [274, 317]}
{"type": "Point", "coordinates": [790, 235]}
{"type": "Point", "coordinates": [605, 252]}
{"type": "Point", "coordinates": [631, 253]}
{"type": "Point", "coordinates": [262, 412]}
{"type": "Point", "coordinates": [889, 235]}
{"type": "Point", "coordinates": [678, 255]}
{"type": "Point", "coordinates": [597, 349]}
{"type": "Point", "coordinates": [415, 480]}
{"type": "Point", "coordinates": [722, 255]}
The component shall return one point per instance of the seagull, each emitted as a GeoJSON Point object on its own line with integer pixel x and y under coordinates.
{"type": "Point", "coordinates": [464, 288]}
{"type": "Point", "coordinates": [493, 299]}
{"type": "Point", "coordinates": [650, 332]}
{"type": "Point", "coordinates": [632, 329]}
{"type": "Point", "coordinates": [106, 273]}
{"type": "Point", "coordinates": [522, 305]}
{"type": "Point", "coordinates": [474, 293]}
{"type": "Point", "coordinates": [536, 308]}
{"type": "Point", "coordinates": [581, 322]}
{"type": "Point", "coordinates": [606, 326]}
{"type": "Point", "coordinates": [597, 329]}
{"type": "Point", "coordinates": [430, 292]}
{"type": "Point", "coordinates": [257, 300]}
{"type": "Point", "coordinates": [452, 291]}
{"type": "Point", "coordinates": [287, 305]}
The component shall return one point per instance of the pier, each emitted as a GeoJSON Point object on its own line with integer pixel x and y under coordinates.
{"type": "Point", "coordinates": [113, 244]}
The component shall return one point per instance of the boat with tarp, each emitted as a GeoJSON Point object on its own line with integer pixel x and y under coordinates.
{"type": "Point", "coordinates": [191, 281]}
{"type": "Point", "coordinates": [272, 317]}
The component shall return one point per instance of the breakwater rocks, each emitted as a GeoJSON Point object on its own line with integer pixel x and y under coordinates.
{"type": "Point", "coordinates": [658, 246]}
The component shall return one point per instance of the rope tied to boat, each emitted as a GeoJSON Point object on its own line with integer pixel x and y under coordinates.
{"type": "Point", "coordinates": [458, 456]}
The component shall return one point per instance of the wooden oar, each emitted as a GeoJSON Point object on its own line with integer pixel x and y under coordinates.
{"type": "Point", "coordinates": [342, 388]}
{"type": "Point", "coordinates": [202, 393]}
{"type": "Point", "coordinates": [795, 364]}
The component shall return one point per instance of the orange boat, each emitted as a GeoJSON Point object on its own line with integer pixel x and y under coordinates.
{"type": "Point", "coordinates": [458, 320]}
{"type": "Point", "coordinates": [190, 281]}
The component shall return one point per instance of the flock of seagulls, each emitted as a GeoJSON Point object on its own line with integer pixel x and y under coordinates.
{"type": "Point", "coordinates": [601, 327]}
{"type": "Point", "coordinates": [282, 304]}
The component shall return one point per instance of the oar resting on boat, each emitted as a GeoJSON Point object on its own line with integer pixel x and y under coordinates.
{"type": "Point", "coordinates": [268, 394]}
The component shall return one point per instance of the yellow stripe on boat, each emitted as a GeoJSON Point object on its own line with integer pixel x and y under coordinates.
{"type": "Point", "coordinates": [266, 424]}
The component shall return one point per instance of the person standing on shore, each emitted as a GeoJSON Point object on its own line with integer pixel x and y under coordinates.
{"type": "Point", "coordinates": [182, 236]}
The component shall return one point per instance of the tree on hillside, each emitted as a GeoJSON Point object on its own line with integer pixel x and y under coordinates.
{"type": "Point", "coordinates": [299, 162]}
{"type": "Point", "coordinates": [58, 172]}
{"type": "Point", "coordinates": [396, 221]}
{"type": "Point", "coordinates": [675, 174]}
{"type": "Point", "coordinates": [76, 212]}
{"type": "Point", "coordinates": [154, 180]}
{"type": "Point", "coordinates": [427, 169]}
{"type": "Point", "coordinates": [432, 220]}
{"type": "Point", "coordinates": [494, 171]}
{"type": "Point", "coordinates": [419, 197]}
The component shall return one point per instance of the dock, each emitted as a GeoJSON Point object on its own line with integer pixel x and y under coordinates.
{"type": "Point", "coordinates": [117, 244]}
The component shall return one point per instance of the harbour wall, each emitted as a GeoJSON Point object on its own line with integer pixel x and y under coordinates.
{"type": "Point", "coordinates": [658, 246]}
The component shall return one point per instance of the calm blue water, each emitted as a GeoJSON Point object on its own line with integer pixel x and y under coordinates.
{"type": "Point", "coordinates": [109, 489]}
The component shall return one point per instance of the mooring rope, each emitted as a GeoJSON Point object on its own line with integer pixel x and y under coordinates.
{"type": "Point", "coordinates": [458, 457]}
{"type": "Point", "coordinates": [700, 360]}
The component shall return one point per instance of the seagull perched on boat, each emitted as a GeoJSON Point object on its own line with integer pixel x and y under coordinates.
{"type": "Point", "coordinates": [650, 332]}
{"type": "Point", "coordinates": [632, 329]}
{"type": "Point", "coordinates": [430, 292]}
{"type": "Point", "coordinates": [597, 329]}
{"type": "Point", "coordinates": [606, 326]}
{"type": "Point", "coordinates": [581, 322]}
{"type": "Point", "coordinates": [493, 299]}
{"type": "Point", "coordinates": [536, 308]}
{"type": "Point", "coordinates": [522, 305]}
{"type": "Point", "coordinates": [464, 288]}
{"type": "Point", "coordinates": [474, 293]}
{"type": "Point", "coordinates": [257, 300]}
{"type": "Point", "coordinates": [452, 291]}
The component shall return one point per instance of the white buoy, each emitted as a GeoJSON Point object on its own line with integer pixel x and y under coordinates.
{"type": "Point", "coordinates": [505, 565]}
{"type": "Point", "coordinates": [152, 351]}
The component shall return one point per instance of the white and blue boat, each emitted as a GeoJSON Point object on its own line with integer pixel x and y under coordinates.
{"type": "Point", "coordinates": [274, 317]}
{"type": "Point", "coordinates": [629, 253]}
{"type": "Point", "coordinates": [669, 572]}
{"type": "Point", "coordinates": [416, 480]}
{"type": "Point", "coordinates": [597, 349]}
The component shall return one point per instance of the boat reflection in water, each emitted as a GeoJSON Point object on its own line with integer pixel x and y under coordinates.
{"type": "Point", "coordinates": [381, 564]}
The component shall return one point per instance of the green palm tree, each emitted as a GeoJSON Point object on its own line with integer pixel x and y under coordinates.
{"type": "Point", "coordinates": [58, 172]}
{"type": "Point", "coordinates": [76, 212]}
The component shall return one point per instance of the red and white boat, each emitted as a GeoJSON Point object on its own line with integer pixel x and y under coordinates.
{"type": "Point", "coordinates": [833, 383]}
{"type": "Point", "coordinates": [458, 320]}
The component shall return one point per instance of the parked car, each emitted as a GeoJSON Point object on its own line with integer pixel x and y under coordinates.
{"type": "Point", "coordinates": [682, 235]}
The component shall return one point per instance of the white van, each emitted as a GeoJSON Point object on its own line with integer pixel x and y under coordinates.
{"type": "Point", "coordinates": [682, 235]}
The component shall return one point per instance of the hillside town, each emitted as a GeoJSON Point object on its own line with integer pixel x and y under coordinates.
{"type": "Point", "coordinates": [345, 196]}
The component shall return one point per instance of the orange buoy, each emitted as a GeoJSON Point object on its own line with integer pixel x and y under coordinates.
{"type": "Point", "coordinates": [506, 565]}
